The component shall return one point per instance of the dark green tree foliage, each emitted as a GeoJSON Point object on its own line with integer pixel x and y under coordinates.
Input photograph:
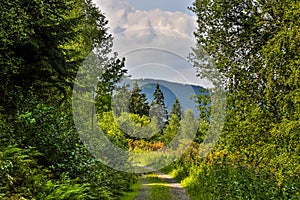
{"type": "Point", "coordinates": [42, 45]}
{"type": "Point", "coordinates": [255, 47]}
{"type": "Point", "coordinates": [40, 61]}
{"type": "Point", "coordinates": [33, 57]}
{"type": "Point", "coordinates": [176, 109]}
{"type": "Point", "coordinates": [137, 102]}
{"type": "Point", "coordinates": [158, 107]}
{"type": "Point", "coordinates": [158, 96]}
{"type": "Point", "coordinates": [171, 129]}
{"type": "Point", "coordinates": [120, 101]}
{"type": "Point", "coordinates": [203, 100]}
{"type": "Point", "coordinates": [113, 72]}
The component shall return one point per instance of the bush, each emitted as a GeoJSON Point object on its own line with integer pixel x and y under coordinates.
{"type": "Point", "coordinates": [19, 174]}
{"type": "Point", "coordinates": [220, 176]}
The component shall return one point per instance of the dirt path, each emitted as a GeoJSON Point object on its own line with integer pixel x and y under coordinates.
{"type": "Point", "coordinates": [144, 190]}
{"type": "Point", "coordinates": [171, 185]}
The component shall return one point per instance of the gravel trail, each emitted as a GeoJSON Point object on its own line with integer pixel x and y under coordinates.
{"type": "Point", "coordinates": [176, 190]}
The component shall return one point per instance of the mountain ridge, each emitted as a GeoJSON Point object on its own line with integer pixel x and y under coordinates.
{"type": "Point", "coordinates": [171, 90]}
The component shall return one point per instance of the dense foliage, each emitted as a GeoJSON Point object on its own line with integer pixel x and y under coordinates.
{"type": "Point", "coordinates": [253, 44]}
{"type": "Point", "coordinates": [43, 44]}
{"type": "Point", "coordinates": [255, 47]}
{"type": "Point", "coordinates": [176, 109]}
{"type": "Point", "coordinates": [137, 102]}
{"type": "Point", "coordinates": [158, 107]}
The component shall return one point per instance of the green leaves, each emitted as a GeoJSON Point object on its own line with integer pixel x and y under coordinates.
{"type": "Point", "coordinates": [18, 171]}
{"type": "Point", "coordinates": [254, 45]}
{"type": "Point", "coordinates": [42, 45]}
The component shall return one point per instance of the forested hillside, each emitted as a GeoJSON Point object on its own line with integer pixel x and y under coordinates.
{"type": "Point", "coordinates": [185, 92]}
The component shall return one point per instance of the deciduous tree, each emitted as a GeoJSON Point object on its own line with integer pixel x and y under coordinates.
{"type": "Point", "coordinates": [255, 47]}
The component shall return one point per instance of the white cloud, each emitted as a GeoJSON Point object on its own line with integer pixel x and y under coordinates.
{"type": "Point", "coordinates": [142, 29]}
{"type": "Point", "coordinates": [125, 18]}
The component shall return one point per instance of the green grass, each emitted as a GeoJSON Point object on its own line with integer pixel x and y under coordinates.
{"type": "Point", "coordinates": [130, 195]}
{"type": "Point", "coordinates": [158, 188]}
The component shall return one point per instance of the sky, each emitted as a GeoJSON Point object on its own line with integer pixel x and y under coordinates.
{"type": "Point", "coordinates": [154, 36]}
{"type": "Point", "coordinates": [166, 5]}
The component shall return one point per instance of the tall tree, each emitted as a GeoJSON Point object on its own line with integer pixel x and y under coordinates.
{"type": "Point", "coordinates": [171, 129]}
{"type": "Point", "coordinates": [176, 109]}
{"type": "Point", "coordinates": [158, 107]}
{"type": "Point", "coordinates": [158, 96]}
{"type": "Point", "coordinates": [120, 101]}
{"type": "Point", "coordinates": [42, 46]}
{"type": "Point", "coordinates": [112, 73]}
{"type": "Point", "coordinates": [203, 100]}
{"type": "Point", "coordinates": [138, 102]}
{"type": "Point", "coordinates": [255, 46]}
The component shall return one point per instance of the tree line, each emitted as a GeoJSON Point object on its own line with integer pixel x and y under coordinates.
{"type": "Point", "coordinates": [130, 111]}
{"type": "Point", "coordinates": [138, 104]}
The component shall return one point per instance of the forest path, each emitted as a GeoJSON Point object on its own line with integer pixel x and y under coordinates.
{"type": "Point", "coordinates": [161, 186]}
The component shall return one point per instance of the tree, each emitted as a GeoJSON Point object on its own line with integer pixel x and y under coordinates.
{"type": "Point", "coordinates": [173, 125]}
{"type": "Point", "coordinates": [158, 108]}
{"type": "Point", "coordinates": [203, 100]}
{"type": "Point", "coordinates": [176, 109]}
{"type": "Point", "coordinates": [255, 46]}
{"type": "Point", "coordinates": [136, 126]}
{"type": "Point", "coordinates": [187, 129]}
{"type": "Point", "coordinates": [171, 129]}
{"type": "Point", "coordinates": [42, 46]}
{"type": "Point", "coordinates": [137, 102]}
{"type": "Point", "coordinates": [120, 101]}
{"type": "Point", "coordinates": [158, 96]}
{"type": "Point", "coordinates": [112, 73]}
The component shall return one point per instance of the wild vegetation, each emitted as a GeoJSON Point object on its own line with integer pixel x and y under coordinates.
{"type": "Point", "coordinates": [43, 43]}
{"type": "Point", "coordinates": [254, 46]}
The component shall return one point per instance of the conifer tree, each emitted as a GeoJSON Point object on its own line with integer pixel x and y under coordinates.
{"type": "Point", "coordinates": [176, 109]}
{"type": "Point", "coordinates": [120, 101]}
{"type": "Point", "coordinates": [158, 96]}
{"type": "Point", "coordinates": [158, 107]}
{"type": "Point", "coordinates": [137, 102]}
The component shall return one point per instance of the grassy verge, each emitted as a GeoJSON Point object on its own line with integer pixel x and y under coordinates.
{"type": "Point", "coordinates": [209, 182]}
{"type": "Point", "coordinates": [158, 188]}
{"type": "Point", "coordinates": [130, 195]}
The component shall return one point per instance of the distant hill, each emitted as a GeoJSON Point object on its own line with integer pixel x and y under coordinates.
{"type": "Point", "coordinates": [184, 92]}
